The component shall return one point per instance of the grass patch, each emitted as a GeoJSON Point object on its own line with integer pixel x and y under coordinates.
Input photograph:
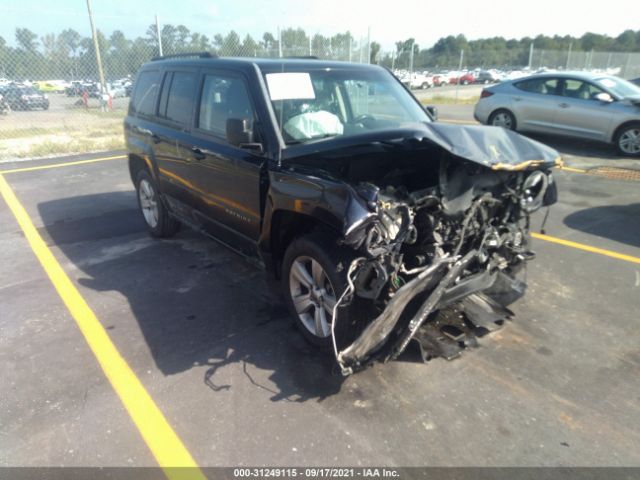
{"type": "Point", "coordinates": [81, 145]}
{"type": "Point", "coordinates": [447, 100]}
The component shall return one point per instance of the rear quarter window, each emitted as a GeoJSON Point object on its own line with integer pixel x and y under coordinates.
{"type": "Point", "coordinates": [143, 101]}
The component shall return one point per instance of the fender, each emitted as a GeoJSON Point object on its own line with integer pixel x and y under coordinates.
{"type": "Point", "coordinates": [329, 201]}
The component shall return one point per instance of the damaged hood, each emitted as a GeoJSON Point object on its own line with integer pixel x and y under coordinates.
{"type": "Point", "coordinates": [492, 147]}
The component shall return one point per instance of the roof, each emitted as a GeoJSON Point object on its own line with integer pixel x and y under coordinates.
{"type": "Point", "coordinates": [265, 64]}
{"type": "Point", "coordinates": [568, 74]}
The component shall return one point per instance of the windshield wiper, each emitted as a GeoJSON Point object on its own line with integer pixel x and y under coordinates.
{"type": "Point", "coordinates": [310, 139]}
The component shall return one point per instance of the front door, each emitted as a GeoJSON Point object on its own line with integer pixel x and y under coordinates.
{"type": "Point", "coordinates": [226, 177]}
{"type": "Point", "coordinates": [580, 114]}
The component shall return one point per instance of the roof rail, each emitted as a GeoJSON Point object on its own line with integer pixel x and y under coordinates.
{"type": "Point", "coordinates": [302, 57]}
{"type": "Point", "coordinates": [186, 55]}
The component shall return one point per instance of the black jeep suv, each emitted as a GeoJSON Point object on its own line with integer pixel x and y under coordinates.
{"type": "Point", "coordinates": [382, 225]}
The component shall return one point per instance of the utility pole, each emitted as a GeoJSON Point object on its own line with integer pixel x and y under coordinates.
{"type": "Point", "coordinates": [159, 36]}
{"type": "Point", "coordinates": [350, 39]}
{"type": "Point", "coordinates": [368, 44]}
{"type": "Point", "coordinates": [568, 57]}
{"type": "Point", "coordinates": [310, 51]}
{"type": "Point", "coordinates": [103, 85]}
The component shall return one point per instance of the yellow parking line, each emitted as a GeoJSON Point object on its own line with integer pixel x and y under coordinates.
{"type": "Point", "coordinates": [586, 248]}
{"type": "Point", "coordinates": [574, 170]}
{"type": "Point", "coordinates": [163, 442]}
{"type": "Point", "coordinates": [58, 165]}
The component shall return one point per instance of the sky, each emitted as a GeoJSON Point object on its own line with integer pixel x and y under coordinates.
{"type": "Point", "coordinates": [425, 20]}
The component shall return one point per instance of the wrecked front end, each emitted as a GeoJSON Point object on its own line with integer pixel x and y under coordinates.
{"type": "Point", "coordinates": [444, 240]}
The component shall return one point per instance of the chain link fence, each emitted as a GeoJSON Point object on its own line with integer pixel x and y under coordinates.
{"type": "Point", "coordinates": [54, 101]}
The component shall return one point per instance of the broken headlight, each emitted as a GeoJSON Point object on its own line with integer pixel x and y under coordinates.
{"type": "Point", "coordinates": [534, 188]}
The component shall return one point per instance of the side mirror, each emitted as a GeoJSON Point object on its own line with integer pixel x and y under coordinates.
{"type": "Point", "coordinates": [238, 131]}
{"type": "Point", "coordinates": [432, 111]}
{"type": "Point", "coordinates": [603, 97]}
{"type": "Point", "coordinates": [240, 134]}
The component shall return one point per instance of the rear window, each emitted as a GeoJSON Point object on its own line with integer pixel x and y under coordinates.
{"type": "Point", "coordinates": [176, 102]}
{"type": "Point", "coordinates": [545, 86]}
{"type": "Point", "coordinates": [145, 93]}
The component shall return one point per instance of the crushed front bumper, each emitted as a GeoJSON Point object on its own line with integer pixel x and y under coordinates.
{"type": "Point", "coordinates": [466, 309]}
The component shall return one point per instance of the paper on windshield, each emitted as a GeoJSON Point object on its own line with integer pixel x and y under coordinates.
{"type": "Point", "coordinates": [290, 86]}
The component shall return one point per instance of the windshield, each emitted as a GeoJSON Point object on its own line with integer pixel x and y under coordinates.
{"type": "Point", "coordinates": [619, 87]}
{"type": "Point", "coordinates": [328, 103]}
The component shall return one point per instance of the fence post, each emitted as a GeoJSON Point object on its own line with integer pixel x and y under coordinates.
{"type": "Point", "coordinates": [568, 56]}
{"type": "Point", "coordinates": [159, 36]}
{"type": "Point", "coordinates": [530, 55]}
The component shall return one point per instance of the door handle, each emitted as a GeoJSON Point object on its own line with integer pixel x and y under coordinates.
{"type": "Point", "coordinates": [564, 105]}
{"type": "Point", "coordinates": [518, 99]}
{"type": "Point", "coordinates": [197, 153]}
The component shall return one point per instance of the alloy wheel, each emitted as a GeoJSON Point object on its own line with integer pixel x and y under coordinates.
{"type": "Point", "coordinates": [148, 203]}
{"type": "Point", "coordinates": [502, 119]}
{"type": "Point", "coordinates": [629, 141]}
{"type": "Point", "coordinates": [313, 295]}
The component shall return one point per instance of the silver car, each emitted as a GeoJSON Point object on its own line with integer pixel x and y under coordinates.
{"type": "Point", "coordinates": [583, 105]}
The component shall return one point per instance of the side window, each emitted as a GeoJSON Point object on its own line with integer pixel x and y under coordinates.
{"type": "Point", "coordinates": [145, 93]}
{"type": "Point", "coordinates": [579, 89]}
{"type": "Point", "coordinates": [544, 86]}
{"type": "Point", "coordinates": [223, 97]}
{"type": "Point", "coordinates": [176, 101]}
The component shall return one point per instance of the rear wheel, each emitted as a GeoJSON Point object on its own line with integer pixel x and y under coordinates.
{"type": "Point", "coordinates": [504, 119]}
{"type": "Point", "coordinates": [628, 140]}
{"type": "Point", "coordinates": [155, 214]}
{"type": "Point", "coordinates": [314, 276]}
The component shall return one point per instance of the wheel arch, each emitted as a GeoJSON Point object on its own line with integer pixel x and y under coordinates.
{"type": "Point", "coordinates": [618, 130]}
{"type": "Point", "coordinates": [287, 225]}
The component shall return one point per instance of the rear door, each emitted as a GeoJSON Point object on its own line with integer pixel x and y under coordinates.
{"type": "Point", "coordinates": [171, 137]}
{"type": "Point", "coordinates": [580, 114]}
{"type": "Point", "coordinates": [535, 104]}
{"type": "Point", "coordinates": [227, 177]}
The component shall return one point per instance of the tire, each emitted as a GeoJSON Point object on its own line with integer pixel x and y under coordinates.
{"type": "Point", "coordinates": [155, 214]}
{"type": "Point", "coordinates": [310, 295]}
{"type": "Point", "coordinates": [425, 86]}
{"type": "Point", "coordinates": [627, 140]}
{"type": "Point", "coordinates": [503, 118]}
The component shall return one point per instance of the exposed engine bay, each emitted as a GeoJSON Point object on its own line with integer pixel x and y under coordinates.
{"type": "Point", "coordinates": [439, 253]}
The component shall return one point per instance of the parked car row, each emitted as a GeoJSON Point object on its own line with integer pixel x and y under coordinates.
{"type": "Point", "coordinates": [117, 89]}
{"type": "Point", "coordinates": [575, 104]}
{"type": "Point", "coordinates": [22, 97]}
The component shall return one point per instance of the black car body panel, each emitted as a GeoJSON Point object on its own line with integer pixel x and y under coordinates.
{"type": "Point", "coordinates": [436, 215]}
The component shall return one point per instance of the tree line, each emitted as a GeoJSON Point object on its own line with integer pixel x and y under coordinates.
{"type": "Point", "coordinates": [69, 55]}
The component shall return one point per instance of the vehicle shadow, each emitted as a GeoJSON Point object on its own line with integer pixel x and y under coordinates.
{"type": "Point", "coordinates": [615, 222]}
{"type": "Point", "coordinates": [196, 303]}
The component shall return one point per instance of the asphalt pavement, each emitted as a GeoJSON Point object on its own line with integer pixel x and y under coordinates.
{"type": "Point", "coordinates": [208, 337]}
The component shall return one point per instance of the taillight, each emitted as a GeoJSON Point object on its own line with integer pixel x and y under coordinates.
{"type": "Point", "coordinates": [485, 93]}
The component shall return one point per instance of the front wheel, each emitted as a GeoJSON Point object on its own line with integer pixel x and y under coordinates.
{"type": "Point", "coordinates": [314, 272]}
{"type": "Point", "coordinates": [628, 140]}
{"type": "Point", "coordinates": [504, 119]}
{"type": "Point", "coordinates": [155, 214]}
